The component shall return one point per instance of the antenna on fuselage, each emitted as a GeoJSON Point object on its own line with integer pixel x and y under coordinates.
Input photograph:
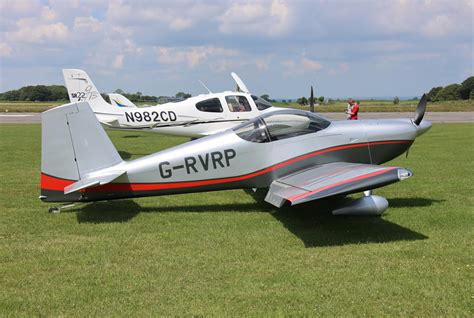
{"type": "Point", "coordinates": [204, 85]}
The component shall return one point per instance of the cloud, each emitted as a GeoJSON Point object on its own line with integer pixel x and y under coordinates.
{"type": "Point", "coordinates": [118, 61]}
{"type": "Point", "coordinates": [20, 8]}
{"type": "Point", "coordinates": [263, 18]}
{"type": "Point", "coordinates": [193, 56]}
{"type": "Point", "coordinates": [87, 24]}
{"type": "Point", "coordinates": [30, 31]}
{"type": "Point", "coordinates": [302, 66]}
{"type": "Point", "coordinates": [5, 50]}
{"type": "Point", "coordinates": [440, 25]}
{"type": "Point", "coordinates": [341, 68]}
{"type": "Point", "coordinates": [180, 24]}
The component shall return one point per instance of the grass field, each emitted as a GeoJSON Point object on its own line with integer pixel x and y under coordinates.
{"type": "Point", "coordinates": [337, 106]}
{"type": "Point", "coordinates": [222, 253]}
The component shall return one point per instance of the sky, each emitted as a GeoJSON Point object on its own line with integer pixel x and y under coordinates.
{"type": "Point", "coordinates": [343, 48]}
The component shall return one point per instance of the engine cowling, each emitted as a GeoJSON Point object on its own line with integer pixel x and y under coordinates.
{"type": "Point", "coordinates": [372, 205]}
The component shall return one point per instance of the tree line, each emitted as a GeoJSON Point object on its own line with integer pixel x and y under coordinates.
{"type": "Point", "coordinates": [40, 93]}
{"type": "Point", "coordinates": [465, 90]}
{"type": "Point", "coordinates": [51, 93]}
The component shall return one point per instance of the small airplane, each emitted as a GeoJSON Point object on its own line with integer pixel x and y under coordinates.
{"type": "Point", "coordinates": [298, 156]}
{"type": "Point", "coordinates": [197, 116]}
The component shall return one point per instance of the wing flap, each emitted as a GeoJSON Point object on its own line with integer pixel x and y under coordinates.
{"type": "Point", "coordinates": [331, 179]}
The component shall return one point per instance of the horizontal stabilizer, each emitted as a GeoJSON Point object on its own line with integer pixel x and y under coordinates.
{"type": "Point", "coordinates": [92, 182]}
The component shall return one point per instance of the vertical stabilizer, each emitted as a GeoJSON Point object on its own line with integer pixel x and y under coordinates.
{"type": "Point", "coordinates": [80, 88]}
{"type": "Point", "coordinates": [73, 145]}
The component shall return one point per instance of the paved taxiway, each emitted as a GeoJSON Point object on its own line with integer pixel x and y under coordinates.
{"type": "Point", "coordinates": [436, 117]}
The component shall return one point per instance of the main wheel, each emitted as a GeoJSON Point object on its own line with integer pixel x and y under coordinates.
{"type": "Point", "coordinates": [54, 210]}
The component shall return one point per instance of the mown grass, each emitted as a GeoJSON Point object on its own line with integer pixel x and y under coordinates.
{"type": "Point", "coordinates": [223, 253]}
{"type": "Point", "coordinates": [337, 106]}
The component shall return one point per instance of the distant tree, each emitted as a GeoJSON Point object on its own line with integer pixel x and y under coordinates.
{"type": "Point", "coordinates": [321, 99]}
{"type": "Point", "coordinates": [139, 93]}
{"type": "Point", "coordinates": [105, 97]}
{"type": "Point", "coordinates": [396, 100]}
{"type": "Point", "coordinates": [302, 101]}
{"type": "Point", "coordinates": [58, 92]}
{"type": "Point", "coordinates": [183, 95]}
{"type": "Point", "coordinates": [433, 92]}
{"type": "Point", "coordinates": [119, 91]}
{"type": "Point", "coordinates": [450, 92]}
{"type": "Point", "coordinates": [266, 97]}
{"type": "Point", "coordinates": [467, 87]}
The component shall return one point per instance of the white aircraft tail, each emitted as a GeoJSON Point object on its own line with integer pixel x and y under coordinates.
{"type": "Point", "coordinates": [74, 151]}
{"type": "Point", "coordinates": [120, 101]}
{"type": "Point", "coordinates": [80, 88]}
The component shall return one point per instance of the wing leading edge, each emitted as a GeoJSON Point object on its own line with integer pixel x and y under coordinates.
{"type": "Point", "coordinates": [332, 179]}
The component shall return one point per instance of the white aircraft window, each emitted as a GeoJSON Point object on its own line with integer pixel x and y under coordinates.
{"type": "Point", "coordinates": [254, 131]}
{"type": "Point", "coordinates": [238, 103]}
{"type": "Point", "coordinates": [212, 105]}
{"type": "Point", "coordinates": [261, 103]}
{"type": "Point", "coordinates": [287, 125]}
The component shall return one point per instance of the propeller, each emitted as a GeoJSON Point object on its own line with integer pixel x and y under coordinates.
{"type": "Point", "coordinates": [311, 101]}
{"type": "Point", "coordinates": [420, 110]}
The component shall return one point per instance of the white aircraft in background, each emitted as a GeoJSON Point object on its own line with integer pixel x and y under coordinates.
{"type": "Point", "coordinates": [196, 116]}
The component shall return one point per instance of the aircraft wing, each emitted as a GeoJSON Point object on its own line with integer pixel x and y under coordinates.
{"type": "Point", "coordinates": [331, 179]}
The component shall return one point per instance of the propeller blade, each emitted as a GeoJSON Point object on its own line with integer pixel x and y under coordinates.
{"type": "Point", "coordinates": [311, 100]}
{"type": "Point", "coordinates": [420, 110]}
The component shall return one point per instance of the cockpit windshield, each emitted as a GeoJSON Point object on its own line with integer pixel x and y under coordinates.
{"type": "Point", "coordinates": [261, 103]}
{"type": "Point", "coordinates": [281, 125]}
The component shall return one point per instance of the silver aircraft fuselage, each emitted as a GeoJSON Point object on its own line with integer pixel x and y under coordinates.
{"type": "Point", "coordinates": [228, 160]}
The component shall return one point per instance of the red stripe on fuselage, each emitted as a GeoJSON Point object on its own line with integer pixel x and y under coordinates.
{"type": "Point", "coordinates": [54, 183]}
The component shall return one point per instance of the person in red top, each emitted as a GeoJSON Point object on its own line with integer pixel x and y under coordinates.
{"type": "Point", "coordinates": [353, 110]}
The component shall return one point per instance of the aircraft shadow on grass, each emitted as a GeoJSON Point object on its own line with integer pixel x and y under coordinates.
{"type": "Point", "coordinates": [313, 223]}
{"type": "Point", "coordinates": [125, 155]}
{"type": "Point", "coordinates": [132, 136]}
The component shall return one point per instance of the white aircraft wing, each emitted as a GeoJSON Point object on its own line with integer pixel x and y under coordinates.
{"type": "Point", "coordinates": [331, 179]}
